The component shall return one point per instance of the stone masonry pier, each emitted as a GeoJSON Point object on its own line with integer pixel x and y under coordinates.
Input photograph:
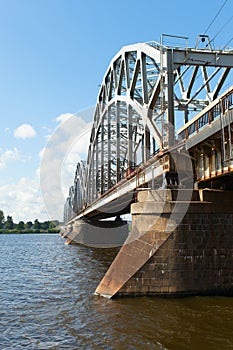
{"type": "Point", "coordinates": [181, 243]}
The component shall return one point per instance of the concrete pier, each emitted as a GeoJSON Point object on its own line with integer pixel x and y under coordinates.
{"type": "Point", "coordinates": [101, 234]}
{"type": "Point", "coordinates": [181, 243]}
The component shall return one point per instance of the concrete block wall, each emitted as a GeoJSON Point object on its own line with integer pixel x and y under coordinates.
{"type": "Point", "coordinates": [197, 258]}
{"type": "Point", "coordinates": [176, 247]}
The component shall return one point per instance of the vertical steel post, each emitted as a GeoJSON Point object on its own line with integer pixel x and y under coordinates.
{"type": "Point", "coordinates": [93, 179]}
{"type": "Point", "coordinates": [118, 170]}
{"type": "Point", "coordinates": [97, 165]}
{"type": "Point", "coordinates": [170, 97]}
{"type": "Point", "coordinates": [146, 144]}
{"type": "Point", "coordinates": [102, 157]}
{"type": "Point", "coordinates": [109, 162]}
{"type": "Point", "coordinates": [130, 135]}
{"type": "Point", "coordinates": [142, 148]}
{"type": "Point", "coordinates": [144, 78]}
{"type": "Point", "coordinates": [170, 106]}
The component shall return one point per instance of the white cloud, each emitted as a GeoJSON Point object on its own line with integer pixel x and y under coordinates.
{"type": "Point", "coordinates": [22, 200]}
{"type": "Point", "coordinates": [43, 196]}
{"type": "Point", "coordinates": [9, 155]}
{"type": "Point", "coordinates": [24, 131]}
{"type": "Point", "coordinates": [64, 117]}
{"type": "Point", "coordinates": [41, 153]}
{"type": "Point", "coordinates": [59, 159]}
{"type": "Point", "coordinates": [76, 152]}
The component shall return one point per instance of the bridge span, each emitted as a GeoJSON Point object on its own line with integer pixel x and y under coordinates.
{"type": "Point", "coordinates": [160, 149]}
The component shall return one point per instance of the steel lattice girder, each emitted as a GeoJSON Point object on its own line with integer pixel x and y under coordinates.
{"type": "Point", "coordinates": [75, 201]}
{"type": "Point", "coordinates": [143, 92]}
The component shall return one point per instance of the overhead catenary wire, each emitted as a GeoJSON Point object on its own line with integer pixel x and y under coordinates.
{"type": "Point", "coordinates": [228, 43]}
{"type": "Point", "coordinates": [213, 20]}
{"type": "Point", "coordinates": [211, 23]}
{"type": "Point", "coordinates": [225, 24]}
{"type": "Point", "coordinates": [220, 30]}
{"type": "Point", "coordinates": [200, 74]}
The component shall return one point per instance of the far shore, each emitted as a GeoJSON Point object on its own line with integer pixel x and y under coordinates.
{"type": "Point", "coordinates": [14, 231]}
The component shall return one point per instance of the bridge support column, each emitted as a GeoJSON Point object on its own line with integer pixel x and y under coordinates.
{"type": "Point", "coordinates": [93, 233]}
{"type": "Point", "coordinates": [174, 255]}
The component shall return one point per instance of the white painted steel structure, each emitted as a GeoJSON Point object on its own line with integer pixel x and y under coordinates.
{"type": "Point", "coordinates": [148, 90]}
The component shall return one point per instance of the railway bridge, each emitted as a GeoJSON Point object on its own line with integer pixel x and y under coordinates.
{"type": "Point", "coordinates": [161, 150]}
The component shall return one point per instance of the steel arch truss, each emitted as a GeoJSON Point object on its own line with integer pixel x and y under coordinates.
{"type": "Point", "coordinates": [135, 112]}
{"type": "Point", "coordinates": [147, 91]}
{"type": "Point", "coordinates": [76, 198]}
{"type": "Point", "coordinates": [120, 138]}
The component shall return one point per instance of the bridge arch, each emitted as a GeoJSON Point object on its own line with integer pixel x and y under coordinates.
{"type": "Point", "coordinates": [145, 89]}
{"type": "Point", "coordinates": [76, 197]}
{"type": "Point", "coordinates": [124, 134]}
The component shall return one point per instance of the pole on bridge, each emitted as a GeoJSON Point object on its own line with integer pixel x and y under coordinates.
{"type": "Point", "coordinates": [170, 105]}
{"type": "Point", "coordinates": [170, 98]}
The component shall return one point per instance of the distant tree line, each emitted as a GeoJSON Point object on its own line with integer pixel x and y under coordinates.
{"type": "Point", "coordinates": [7, 225]}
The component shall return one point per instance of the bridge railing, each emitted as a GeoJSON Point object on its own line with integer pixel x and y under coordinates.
{"type": "Point", "coordinates": [208, 115]}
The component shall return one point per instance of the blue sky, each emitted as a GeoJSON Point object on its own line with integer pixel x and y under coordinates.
{"type": "Point", "coordinates": [53, 56]}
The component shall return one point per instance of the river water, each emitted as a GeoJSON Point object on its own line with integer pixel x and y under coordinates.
{"type": "Point", "coordinates": [47, 302]}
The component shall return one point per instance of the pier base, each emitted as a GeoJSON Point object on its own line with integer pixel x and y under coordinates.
{"type": "Point", "coordinates": [101, 234]}
{"type": "Point", "coordinates": [172, 252]}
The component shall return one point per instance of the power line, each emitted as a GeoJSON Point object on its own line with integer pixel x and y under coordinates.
{"type": "Point", "coordinates": [222, 28]}
{"type": "Point", "coordinates": [215, 16]}
{"type": "Point", "coordinates": [186, 70]}
{"type": "Point", "coordinates": [228, 42]}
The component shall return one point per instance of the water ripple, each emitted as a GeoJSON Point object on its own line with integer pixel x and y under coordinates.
{"type": "Point", "coordinates": [47, 302]}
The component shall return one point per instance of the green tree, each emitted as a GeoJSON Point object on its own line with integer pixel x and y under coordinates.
{"type": "Point", "coordinates": [20, 226]}
{"type": "Point", "coordinates": [44, 225]}
{"type": "Point", "coordinates": [51, 225]}
{"type": "Point", "coordinates": [28, 225]}
{"type": "Point", "coordinates": [36, 225]}
{"type": "Point", "coordinates": [2, 219]}
{"type": "Point", "coordinates": [9, 224]}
